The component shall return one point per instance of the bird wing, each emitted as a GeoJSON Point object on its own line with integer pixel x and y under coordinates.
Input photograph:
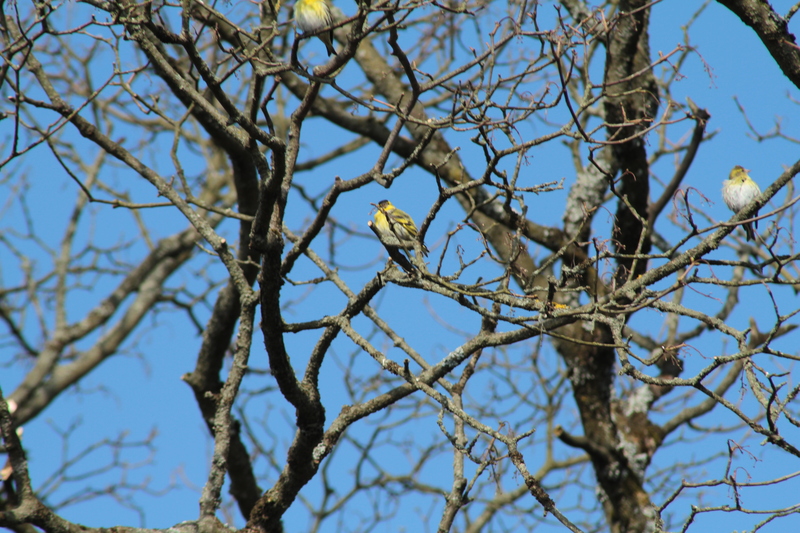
{"type": "Point", "coordinates": [402, 225]}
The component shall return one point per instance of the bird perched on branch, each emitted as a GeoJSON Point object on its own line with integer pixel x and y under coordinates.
{"type": "Point", "coordinates": [313, 15]}
{"type": "Point", "coordinates": [396, 227]}
{"type": "Point", "coordinates": [738, 191]}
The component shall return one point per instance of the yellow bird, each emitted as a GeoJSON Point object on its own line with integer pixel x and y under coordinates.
{"type": "Point", "coordinates": [738, 191]}
{"type": "Point", "coordinates": [396, 227]}
{"type": "Point", "coordinates": [314, 15]}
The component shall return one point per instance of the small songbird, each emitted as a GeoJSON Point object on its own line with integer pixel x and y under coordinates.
{"type": "Point", "coordinates": [738, 191]}
{"type": "Point", "coordinates": [396, 227]}
{"type": "Point", "coordinates": [312, 16]}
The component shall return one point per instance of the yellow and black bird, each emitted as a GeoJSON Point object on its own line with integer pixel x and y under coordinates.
{"type": "Point", "coordinates": [396, 227]}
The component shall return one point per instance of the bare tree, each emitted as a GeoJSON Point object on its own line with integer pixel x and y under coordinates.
{"type": "Point", "coordinates": [229, 169]}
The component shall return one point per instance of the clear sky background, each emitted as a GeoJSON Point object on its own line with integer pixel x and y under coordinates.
{"type": "Point", "coordinates": [140, 393]}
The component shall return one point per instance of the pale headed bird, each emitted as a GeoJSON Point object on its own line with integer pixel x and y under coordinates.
{"type": "Point", "coordinates": [313, 15]}
{"type": "Point", "coordinates": [738, 191]}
